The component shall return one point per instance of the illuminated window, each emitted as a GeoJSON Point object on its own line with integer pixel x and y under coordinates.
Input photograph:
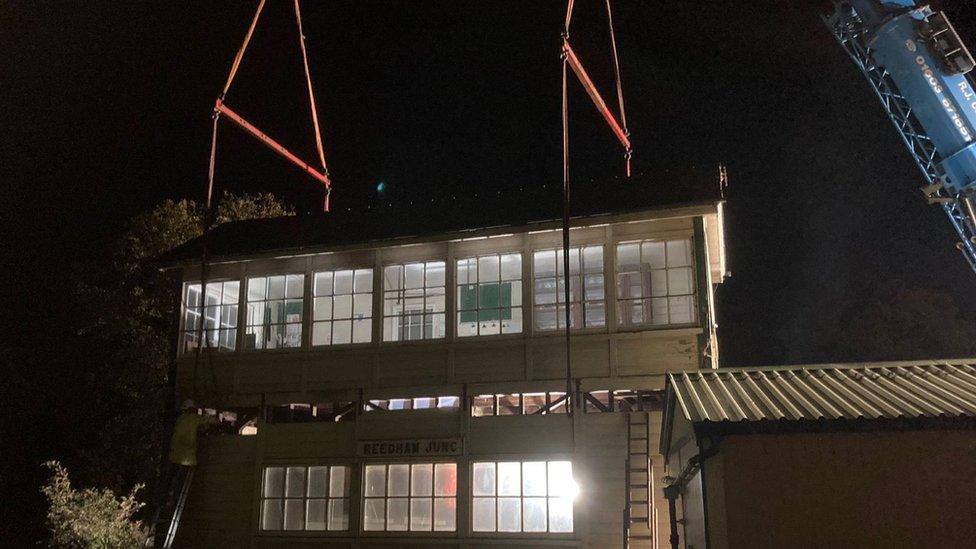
{"type": "Point", "coordinates": [527, 496]}
{"type": "Point", "coordinates": [413, 301]}
{"type": "Point", "coordinates": [416, 497]}
{"type": "Point", "coordinates": [655, 283]}
{"type": "Point", "coordinates": [519, 404]}
{"type": "Point", "coordinates": [305, 498]}
{"type": "Point", "coordinates": [587, 305]}
{"type": "Point", "coordinates": [343, 307]}
{"type": "Point", "coordinates": [219, 311]}
{"type": "Point", "coordinates": [274, 311]}
{"type": "Point", "coordinates": [421, 403]}
{"type": "Point", "coordinates": [489, 295]}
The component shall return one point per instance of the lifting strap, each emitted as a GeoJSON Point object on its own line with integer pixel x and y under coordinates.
{"type": "Point", "coordinates": [221, 108]}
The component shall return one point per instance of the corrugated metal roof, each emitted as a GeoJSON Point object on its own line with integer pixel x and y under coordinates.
{"type": "Point", "coordinates": [884, 390]}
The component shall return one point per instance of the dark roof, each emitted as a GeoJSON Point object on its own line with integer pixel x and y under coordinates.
{"type": "Point", "coordinates": [430, 215]}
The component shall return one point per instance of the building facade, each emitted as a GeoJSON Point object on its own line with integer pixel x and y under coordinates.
{"type": "Point", "coordinates": [412, 390]}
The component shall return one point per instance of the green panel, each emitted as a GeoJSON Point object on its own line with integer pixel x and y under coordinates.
{"type": "Point", "coordinates": [492, 296]}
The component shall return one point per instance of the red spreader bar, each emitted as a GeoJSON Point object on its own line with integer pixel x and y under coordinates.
{"type": "Point", "coordinates": [221, 108]}
{"type": "Point", "coordinates": [601, 105]}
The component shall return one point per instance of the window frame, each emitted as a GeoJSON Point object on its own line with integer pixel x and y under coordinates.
{"type": "Point", "coordinates": [521, 534]}
{"type": "Point", "coordinates": [305, 532]}
{"type": "Point", "coordinates": [583, 301]}
{"type": "Point", "coordinates": [619, 303]}
{"type": "Point", "coordinates": [400, 292]}
{"type": "Point", "coordinates": [518, 305]}
{"type": "Point", "coordinates": [303, 323]}
{"type": "Point", "coordinates": [332, 320]}
{"type": "Point", "coordinates": [185, 309]}
{"type": "Point", "coordinates": [386, 532]}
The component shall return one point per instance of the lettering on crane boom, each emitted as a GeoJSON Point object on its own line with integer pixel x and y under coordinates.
{"type": "Point", "coordinates": [947, 104]}
{"type": "Point", "coordinates": [410, 447]}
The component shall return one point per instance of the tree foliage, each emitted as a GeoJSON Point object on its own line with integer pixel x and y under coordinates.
{"type": "Point", "coordinates": [90, 518]}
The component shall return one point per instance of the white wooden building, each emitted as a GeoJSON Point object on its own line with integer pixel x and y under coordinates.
{"type": "Point", "coordinates": [410, 385]}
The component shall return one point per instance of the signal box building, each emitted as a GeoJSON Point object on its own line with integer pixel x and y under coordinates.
{"type": "Point", "coordinates": [403, 377]}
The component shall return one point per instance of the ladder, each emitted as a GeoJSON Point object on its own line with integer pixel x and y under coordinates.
{"type": "Point", "coordinates": [170, 510]}
{"type": "Point", "coordinates": [639, 520]}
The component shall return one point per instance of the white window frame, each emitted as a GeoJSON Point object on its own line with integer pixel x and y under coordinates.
{"type": "Point", "coordinates": [645, 275]}
{"type": "Point", "coordinates": [405, 318]}
{"type": "Point", "coordinates": [410, 498]}
{"type": "Point", "coordinates": [561, 492]}
{"type": "Point", "coordinates": [581, 302]}
{"type": "Point", "coordinates": [287, 501]}
{"type": "Point", "coordinates": [188, 334]}
{"type": "Point", "coordinates": [252, 326]}
{"type": "Point", "coordinates": [356, 295]}
{"type": "Point", "coordinates": [517, 297]}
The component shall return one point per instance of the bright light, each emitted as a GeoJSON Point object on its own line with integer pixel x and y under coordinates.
{"type": "Point", "coordinates": [572, 490]}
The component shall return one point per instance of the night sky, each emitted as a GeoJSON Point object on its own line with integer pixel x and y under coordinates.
{"type": "Point", "coordinates": [105, 112]}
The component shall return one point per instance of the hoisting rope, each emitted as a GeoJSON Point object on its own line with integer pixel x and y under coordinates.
{"type": "Point", "coordinates": [311, 95]}
{"type": "Point", "coordinates": [240, 53]}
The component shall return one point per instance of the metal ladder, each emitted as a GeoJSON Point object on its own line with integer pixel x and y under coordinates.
{"type": "Point", "coordinates": [170, 510]}
{"type": "Point", "coordinates": [640, 520]}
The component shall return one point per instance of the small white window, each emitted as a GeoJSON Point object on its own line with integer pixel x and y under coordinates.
{"type": "Point", "coordinates": [655, 283]}
{"type": "Point", "coordinates": [342, 310]}
{"type": "Point", "coordinates": [489, 295]}
{"type": "Point", "coordinates": [303, 498]}
{"type": "Point", "coordinates": [415, 497]}
{"type": "Point", "coordinates": [219, 313]}
{"type": "Point", "coordinates": [414, 301]}
{"type": "Point", "coordinates": [527, 496]}
{"type": "Point", "coordinates": [274, 311]}
{"type": "Point", "coordinates": [587, 304]}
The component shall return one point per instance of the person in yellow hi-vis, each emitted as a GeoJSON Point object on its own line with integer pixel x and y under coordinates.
{"type": "Point", "coordinates": [183, 448]}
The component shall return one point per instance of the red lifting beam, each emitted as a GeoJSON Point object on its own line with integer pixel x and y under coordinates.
{"type": "Point", "coordinates": [276, 147]}
{"type": "Point", "coordinates": [601, 105]}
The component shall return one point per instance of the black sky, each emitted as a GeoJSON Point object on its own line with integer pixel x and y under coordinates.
{"type": "Point", "coordinates": [105, 111]}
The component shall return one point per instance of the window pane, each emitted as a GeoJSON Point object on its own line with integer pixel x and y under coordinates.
{"type": "Point", "coordinates": [422, 478]}
{"type": "Point", "coordinates": [679, 281]}
{"type": "Point", "coordinates": [375, 480]}
{"type": "Point", "coordinates": [391, 277]}
{"type": "Point", "coordinates": [593, 259]}
{"type": "Point", "coordinates": [414, 275]}
{"type": "Point", "coordinates": [628, 257]}
{"type": "Point", "coordinates": [339, 481]}
{"type": "Point", "coordinates": [396, 514]}
{"type": "Point", "coordinates": [508, 405]}
{"type": "Point", "coordinates": [682, 309]}
{"type": "Point", "coordinates": [653, 255]}
{"type": "Point", "coordinates": [374, 514]}
{"type": "Point", "coordinates": [513, 324]}
{"type": "Point", "coordinates": [488, 268]}
{"type": "Point", "coordinates": [534, 515]}
{"type": "Point", "coordinates": [315, 514]}
{"type": "Point", "coordinates": [399, 480]}
{"type": "Point", "coordinates": [509, 515]}
{"type": "Point", "coordinates": [343, 282]}
{"type": "Point", "coordinates": [596, 313]}
{"type": "Point", "coordinates": [193, 295]}
{"type": "Point", "coordinates": [483, 515]}
{"type": "Point", "coordinates": [509, 478]}
{"type": "Point", "coordinates": [323, 283]}
{"type": "Point", "coordinates": [274, 482]}
{"type": "Point", "coordinates": [339, 514]}
{"type": "Point", "coordinates": [341, 332]}
{"type": "Point", "coordinates": [533, 402]}
{"type": "Point", "coordinates": [659, 310]}
{"type": "Point", "coordinates": [445, 479]}
{"type": "Point", "coordinates": [362, 331]}
{"type": "Point", "coordinates": [271, 514]}
{"type": "Point", "coordinates": [232, 290]}
{"type": "Point", "coordinates": [466, 271]}
{"type": "Point", "coordinates": [294, 514]}
{"type": "Point", "coordinates": [449, 402]}
{"type": "Point", "coordinates": [679, 253]}
{"type": "Point", "coordinates": [544, 263]}
{"type": "Point", "coordinates": [342, 307]}
{"type": "Point", "coordinates": [534, 478]}
{"type": "Point", "coordinates": [424, 403]}
{"type": "Point", "coordinates": [545, 318]}
{"type": "Point", "coordinates": [322, 333]}
{"type": "Point", "coordinates": [511, 267]}
{"type": "Point", "coordinates": [420, 514]}
{"type": "Point", "coordinates": [276, 287]}
{"type": "Point", "coordinates": [362, 306]}
{"type": "Point", "coordinates": [364, 281]}
{"type": "Point", "coordinates": [435, 274]}
{"type": "Point", "coordinates": [484, 479]}
{"type": "Point", "coordinates": [296, 286]}
{"type": "Point", "coordinates": [561, 481]}
{"type": "Point", "coordinates": [295, 482]}
{"type": "Point", "coordinates": [483, 405]}
{"type": "Point", "coordinates": [659, 283]}
{"type": "Point", "coordinates": [256, 288]}
{"type": "Point", "coordinates": [317, 482]}
{"type": "Point", "coordinates": [445, 514]}
{"type": "Point", "coordinates": [560, 515]}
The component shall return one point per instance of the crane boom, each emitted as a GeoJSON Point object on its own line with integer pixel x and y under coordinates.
{"type": "Point", "coordinates": [917, 65]}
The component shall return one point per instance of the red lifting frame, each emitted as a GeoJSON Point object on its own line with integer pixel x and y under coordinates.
{"type": "Point", "coordinates": [601, 105]}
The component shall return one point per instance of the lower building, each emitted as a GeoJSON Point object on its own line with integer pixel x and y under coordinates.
{"type": "Point", "coordinates": [857, 455]}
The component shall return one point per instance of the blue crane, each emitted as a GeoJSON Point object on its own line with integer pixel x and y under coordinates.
{"type": "Point", "coordinates": [917, 65]}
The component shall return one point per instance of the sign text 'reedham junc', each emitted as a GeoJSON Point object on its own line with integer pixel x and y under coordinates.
{"type": "Point", "coordinates": [410, 447]}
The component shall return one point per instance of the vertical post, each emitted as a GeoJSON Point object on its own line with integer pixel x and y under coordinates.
{"type": "Point", "coordinates": [566, 197]}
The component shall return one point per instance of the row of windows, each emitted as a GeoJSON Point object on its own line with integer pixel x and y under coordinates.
{"type": "Point", "coordinates": [509, 496]}
{"type": "Point", "coordinates": [655, 287]}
